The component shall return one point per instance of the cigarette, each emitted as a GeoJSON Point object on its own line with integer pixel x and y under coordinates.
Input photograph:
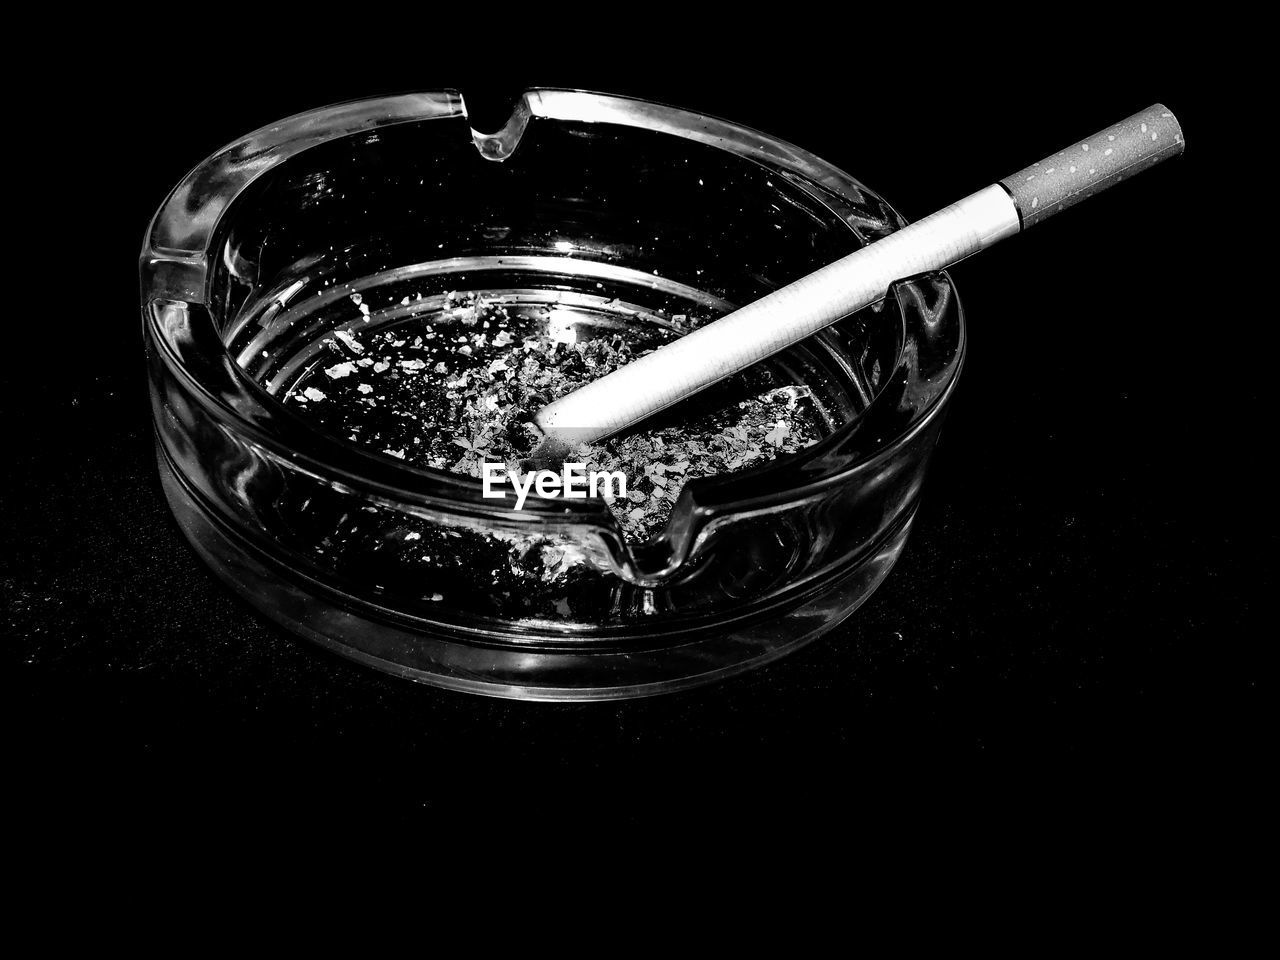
{"type": "Point", "coordinates": [761, 329]}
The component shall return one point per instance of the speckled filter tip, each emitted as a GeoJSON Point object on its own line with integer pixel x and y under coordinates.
{"type": "Point", "coordinates": [1094, 164]}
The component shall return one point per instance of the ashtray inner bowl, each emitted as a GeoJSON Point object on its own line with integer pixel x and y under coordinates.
{"type": "Point", "coordinates": [331, 303]}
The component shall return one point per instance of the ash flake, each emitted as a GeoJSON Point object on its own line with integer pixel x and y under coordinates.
{"type": "Point", "coordinates": [778, 434]}
{"type": "Point", "coordinates": [352, 343]}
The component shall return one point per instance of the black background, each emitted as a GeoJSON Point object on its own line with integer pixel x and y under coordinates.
{"type": "Point", "coordinates": [1075, 600]}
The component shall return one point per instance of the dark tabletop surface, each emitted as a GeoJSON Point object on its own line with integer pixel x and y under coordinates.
{"type": "Point", "coordinates": [1081, 585]}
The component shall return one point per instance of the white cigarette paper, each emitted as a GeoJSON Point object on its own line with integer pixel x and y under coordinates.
{"type": "Point", "coordinates": [720, 349]}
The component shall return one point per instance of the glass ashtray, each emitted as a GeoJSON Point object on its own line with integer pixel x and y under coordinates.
{"type": "Point", "coordinates": [321, 299]}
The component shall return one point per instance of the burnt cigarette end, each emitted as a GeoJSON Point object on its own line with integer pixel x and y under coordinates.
{"type": "Point", "coordinates": [549, 454]}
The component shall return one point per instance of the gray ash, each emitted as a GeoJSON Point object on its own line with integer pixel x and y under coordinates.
{"type": "Point", "coordinates": [460, 388]}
